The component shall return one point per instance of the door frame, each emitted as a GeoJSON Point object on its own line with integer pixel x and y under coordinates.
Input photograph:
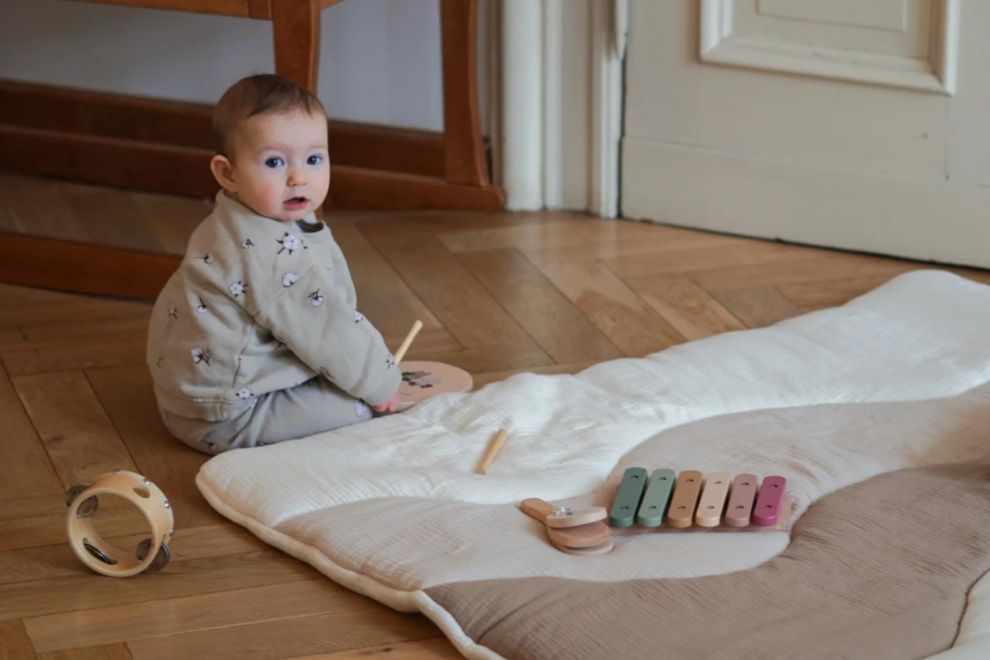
{"type": "Point", "coordinates": [557, 121]}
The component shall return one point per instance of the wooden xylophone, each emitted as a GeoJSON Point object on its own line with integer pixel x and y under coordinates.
{"type": "Point", "coordinates": [689, 500]}
{"type": "Point", "coordinates": [667, 502]}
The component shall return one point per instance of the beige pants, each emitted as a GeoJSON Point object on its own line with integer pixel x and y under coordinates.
{"type": "Point", "coordinates": [316, 405]}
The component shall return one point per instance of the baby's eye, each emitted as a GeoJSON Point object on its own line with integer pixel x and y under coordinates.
{"type": "Point", "coordinates": [274, 161]}
{"type": "Point", "coordinates": [315, 159]}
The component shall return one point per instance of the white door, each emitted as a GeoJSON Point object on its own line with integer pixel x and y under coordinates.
{"type": "Point", "coordinates": [859, 124]}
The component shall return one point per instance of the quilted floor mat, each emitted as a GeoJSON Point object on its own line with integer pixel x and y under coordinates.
{"type": "Point", "coordinates": [392, 509]}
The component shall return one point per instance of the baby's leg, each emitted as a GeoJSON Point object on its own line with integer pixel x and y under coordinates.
{"type": "Point", "coordinates": [315, 406]}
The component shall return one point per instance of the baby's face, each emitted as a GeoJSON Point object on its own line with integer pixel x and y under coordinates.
{"type": "Point", "coordinates": [281, 166]}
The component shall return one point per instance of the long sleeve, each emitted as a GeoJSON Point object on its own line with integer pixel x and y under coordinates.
{"type": "Point", "coordinates": [312, 316]}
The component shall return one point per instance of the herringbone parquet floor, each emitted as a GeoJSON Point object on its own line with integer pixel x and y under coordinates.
{"type": "Point", "coordinates": [498, 293]}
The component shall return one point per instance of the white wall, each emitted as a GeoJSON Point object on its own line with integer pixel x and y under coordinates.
{"type": "Point", "coordinates": [380, 59]}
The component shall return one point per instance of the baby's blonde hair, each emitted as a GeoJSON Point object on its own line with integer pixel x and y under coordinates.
{"type": "Point", "coordinates": [255, 95]}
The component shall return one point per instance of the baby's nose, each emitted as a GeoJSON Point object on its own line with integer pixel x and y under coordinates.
{"type": "Point", "coordinates": [297, 177]}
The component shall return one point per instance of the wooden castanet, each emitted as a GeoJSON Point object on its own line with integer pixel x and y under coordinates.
{"type": "Point", "coordinates": [584, 552]}
{"type": "Point", "coordinates": [565, 517]}
{"type": "Point", "coordinates": [584, 537]}
{"type": "Point", "coordinates": [577, 532]}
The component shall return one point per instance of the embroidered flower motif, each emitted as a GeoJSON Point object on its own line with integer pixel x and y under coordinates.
{"type": "Point", "coordinates": [390, 361]}
{"type": "Point", "coordinates": [244, 393]}
{"type": "Point", "coordinates": [246, 243]}
{"type": "Point", "coordinates": [199, 354]}
{"type": "Point", "coordinates": [237, 288]}
{"type": "Point", "coordinates": [207, 259]}
{"type": "Point", "coordinates": [160, 362]}
{"type": "Point", "coordinates": [201, 307]}
{"type": "Point", "coordinates": [289, 279]}
{"type": "Point", "coordinates": [316, 299]}
{"type": "Point", "coordinates": [173, 313]}
{"type": "Point", "coordinates": [361, 408]}
{"type": "Point", "coordinates": [290, 243]}
{"type": "Point", "coordinates": [358, 317]}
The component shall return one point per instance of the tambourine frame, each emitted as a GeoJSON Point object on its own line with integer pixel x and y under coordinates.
{"type": "Point", "coordinates": [99, 554]}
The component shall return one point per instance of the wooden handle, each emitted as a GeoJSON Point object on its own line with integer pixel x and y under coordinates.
{"type": "Point", "coordinates": [401, 353]}
{"type": "Point", "coordinates": [536, 508]}
{"type": "Point", "coordinates": [494, 447]}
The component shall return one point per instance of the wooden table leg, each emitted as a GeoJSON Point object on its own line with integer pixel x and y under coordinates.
{"type": "Point", "coordinates": [296, 28]}
{"type": "Point", "coordinates": [461, 124]}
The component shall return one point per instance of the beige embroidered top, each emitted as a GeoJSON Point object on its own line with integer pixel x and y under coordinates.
{"type": "Point", "coordinates": [259, 305]}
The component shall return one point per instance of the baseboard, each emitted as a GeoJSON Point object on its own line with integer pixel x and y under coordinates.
{"type": "Point", "coordinates": [120, 163]}
{"type": "Point", "coordinates": [67, 266]}
{"type": "Point", "coordinates": [804, 202]}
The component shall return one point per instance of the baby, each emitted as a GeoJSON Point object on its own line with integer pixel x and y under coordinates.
{"type": "Point", "coordinates": [256, 337]}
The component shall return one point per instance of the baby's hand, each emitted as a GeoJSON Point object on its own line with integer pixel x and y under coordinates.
{"type": "Point", "coordinates": [389, 406]}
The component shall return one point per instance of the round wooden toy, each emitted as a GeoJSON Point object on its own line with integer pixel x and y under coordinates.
{"type": "Point", "coordinates": [584, 552]}
{"type": "Point", "coordinates": [578, 538]}
{"type": "Point", "coordinates": [96, 552]}
{"type": "Point", "coordinates": [422, 380]}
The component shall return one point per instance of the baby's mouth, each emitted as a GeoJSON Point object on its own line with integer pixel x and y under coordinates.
{"type": "Point", "coordinates": [296, 201]}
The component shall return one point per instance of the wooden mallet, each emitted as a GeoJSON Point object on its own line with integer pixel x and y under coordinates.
{"type": "Point", "coordinates": [404, 346]}
{"type": "Point", "coordinates": [494, 447]}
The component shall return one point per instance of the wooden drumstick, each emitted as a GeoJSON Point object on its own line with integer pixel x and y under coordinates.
{"type": "Point", "coordinates": [494, 447]}
{"type": "Point", "coordinates": [401, 353]}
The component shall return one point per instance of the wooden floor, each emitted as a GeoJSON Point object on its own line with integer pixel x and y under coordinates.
{"type": "Point", "coordinates": [498, 293]}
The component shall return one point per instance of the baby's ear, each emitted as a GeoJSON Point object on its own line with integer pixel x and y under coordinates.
{"type": "Point", "coordinates": [223, 172]}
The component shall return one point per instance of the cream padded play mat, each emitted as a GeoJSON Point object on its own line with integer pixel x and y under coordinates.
{"type": "Point", "coordinates": [839, 401]}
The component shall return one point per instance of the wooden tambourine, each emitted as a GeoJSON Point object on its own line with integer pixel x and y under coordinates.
{"type": "Point", "coordinates": [422, 380]}
{"type": "Point", "coordinates": [93, 550]}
